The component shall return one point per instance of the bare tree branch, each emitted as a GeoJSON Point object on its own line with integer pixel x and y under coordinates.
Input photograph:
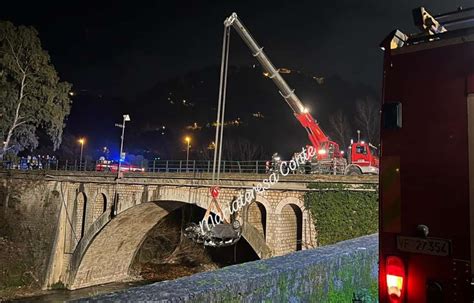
{"type": "Point", "coordinates": [367, 119]}
{"type": "Point", "coordinates": [340, 128]}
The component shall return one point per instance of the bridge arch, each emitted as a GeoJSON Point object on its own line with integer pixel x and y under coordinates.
{"type": "Point", "coordinates": [112, 247]}
{"type": "Point", "coordinates": [80, 214]}
{"type": "Point", "coordinates": [289, 200]}
{"type": "Point", "coordinates": [99, 207]}
{"type": "Point", "coordinates": [289, 212]}
{"type": "Point", "coordinates": [110, 253]}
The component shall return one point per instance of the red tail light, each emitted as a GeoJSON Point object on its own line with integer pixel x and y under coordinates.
{"type": "Point", "coordinates": [395, 270]}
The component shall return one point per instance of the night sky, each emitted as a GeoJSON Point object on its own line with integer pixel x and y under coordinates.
{"type": "Point", "coordinates": [123, 48]}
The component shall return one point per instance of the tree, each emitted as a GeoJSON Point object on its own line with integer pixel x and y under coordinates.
{"type": "Point", "coordinates": [368, 119]}
{"type": "Point", "coordinates": [241, 149]}
{"type": "Point", "coordinates": [206, 152]}
{"type": "Point", "coordinates": [340, 128]}
{"type": "Point", "coordinates": [31, 95]}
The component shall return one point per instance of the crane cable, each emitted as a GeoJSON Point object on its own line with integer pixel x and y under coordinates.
{"type": "Point", "coordinates": [216, 165]}
{"type": "Point", "coordinates": [211, 237]}
{"type": "Point", "coordinates": [221, 106]}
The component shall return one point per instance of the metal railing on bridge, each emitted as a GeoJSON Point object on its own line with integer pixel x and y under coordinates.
{"type": "Point", "coordinates": [156, 166]}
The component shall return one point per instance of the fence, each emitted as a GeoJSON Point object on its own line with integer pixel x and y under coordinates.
{"type": "Point", "coordinates": [156, 166]}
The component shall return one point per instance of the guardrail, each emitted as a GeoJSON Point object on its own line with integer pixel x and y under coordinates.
{"type": "Point", "coordinates": [156, 166]}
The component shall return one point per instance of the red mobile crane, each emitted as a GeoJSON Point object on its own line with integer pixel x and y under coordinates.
{"type": "Point", "coordinates": [329, 157]}
{"type": "Point", "coordinates": [426, 230]}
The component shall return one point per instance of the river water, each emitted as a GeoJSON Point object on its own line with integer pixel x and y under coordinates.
{"type": "Point", "coordinates": [66, 295]}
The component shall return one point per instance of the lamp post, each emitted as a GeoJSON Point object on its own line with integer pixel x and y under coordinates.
{"type": "Point", "coordinates": [187, 139]}
{"type": "Point", "coordinates": [126, 118]}
{"type": "Point", "coordinates": [81, 141]}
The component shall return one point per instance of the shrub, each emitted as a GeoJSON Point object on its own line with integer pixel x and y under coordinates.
{"type": "Point", "coordinates": [342, 212]}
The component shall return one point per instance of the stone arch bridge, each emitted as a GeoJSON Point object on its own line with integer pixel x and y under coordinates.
{"type": "Point", "coordinates": [90, 247]}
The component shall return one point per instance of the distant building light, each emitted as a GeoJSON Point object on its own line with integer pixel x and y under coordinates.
{"type": "Point", "coordinates": [284, 70]}
{"type": "Point", "coordinates": [72, 93]}
{"type": "Point", "coordinates": [258, 115]}
{"type": "Point", "coordinates": [320, 80]}
{"type": "Point", "coordinates": [266, 74]}
{"type": "Point", "coordinates": [194, 126]}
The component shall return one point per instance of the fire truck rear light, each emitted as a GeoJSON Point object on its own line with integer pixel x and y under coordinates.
{"type": "Point", "coordinates": [394, 285]}
{"type": "Point", "coordinates": [395, 271]}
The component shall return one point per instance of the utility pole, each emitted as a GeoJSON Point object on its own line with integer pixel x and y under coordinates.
{"type": "Point", "coordinates": [126, 118]}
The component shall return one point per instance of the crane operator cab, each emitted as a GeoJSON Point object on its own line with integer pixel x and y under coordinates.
{"type": "Point", "coordinates": [363, 159]}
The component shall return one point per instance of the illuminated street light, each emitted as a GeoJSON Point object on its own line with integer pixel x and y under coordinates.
{"type": "Point", "coordinates": [188, 140]}
{"type": "Point", "coordinates": [81, 141]}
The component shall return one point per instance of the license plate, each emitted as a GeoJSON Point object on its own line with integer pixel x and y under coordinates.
{"type": "Point", "coordinates": [428, 246]}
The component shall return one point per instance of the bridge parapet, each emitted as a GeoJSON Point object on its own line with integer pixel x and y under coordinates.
{"type": "Point", "coordinates": [332, 273]}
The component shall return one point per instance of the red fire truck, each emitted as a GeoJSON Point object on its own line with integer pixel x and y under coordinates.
{"type": "Point", "coordinates": [427, 197]}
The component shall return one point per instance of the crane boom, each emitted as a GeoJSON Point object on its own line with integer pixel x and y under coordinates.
{"type": "Point", "coordinates": [257, 51]}
{"type": "Point", "coordinates": [316, 135]}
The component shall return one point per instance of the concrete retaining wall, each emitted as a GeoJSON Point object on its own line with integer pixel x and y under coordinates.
{"type": "Point", "coordinates": [327, 274]}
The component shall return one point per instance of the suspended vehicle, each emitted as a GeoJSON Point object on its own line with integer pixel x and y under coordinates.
{"type": "Point", "coordinates": [220, 235]}
{"type": "Point", "coordinates": [209, 233]}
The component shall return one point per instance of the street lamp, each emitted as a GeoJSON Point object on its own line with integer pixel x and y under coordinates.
{"type": "Point", "coordinates": [187, 139]}
{"type": "Point", "coordinates": [81, 141]}
{"type": "Point", "coordinates": [126, 118]}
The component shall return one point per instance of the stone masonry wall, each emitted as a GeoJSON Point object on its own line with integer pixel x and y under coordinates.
{"type": "Point", "coordinates": [256, 216]}
{"type": "Point", "coordinates": [28, 224]}
{"type": "Point", "coordinates": [333, 273]}
{"type": "Point", "coordinates": [288, 229]}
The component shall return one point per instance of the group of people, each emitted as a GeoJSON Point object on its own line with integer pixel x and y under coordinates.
{"type": "Point", "coordinates": [32, 162]}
